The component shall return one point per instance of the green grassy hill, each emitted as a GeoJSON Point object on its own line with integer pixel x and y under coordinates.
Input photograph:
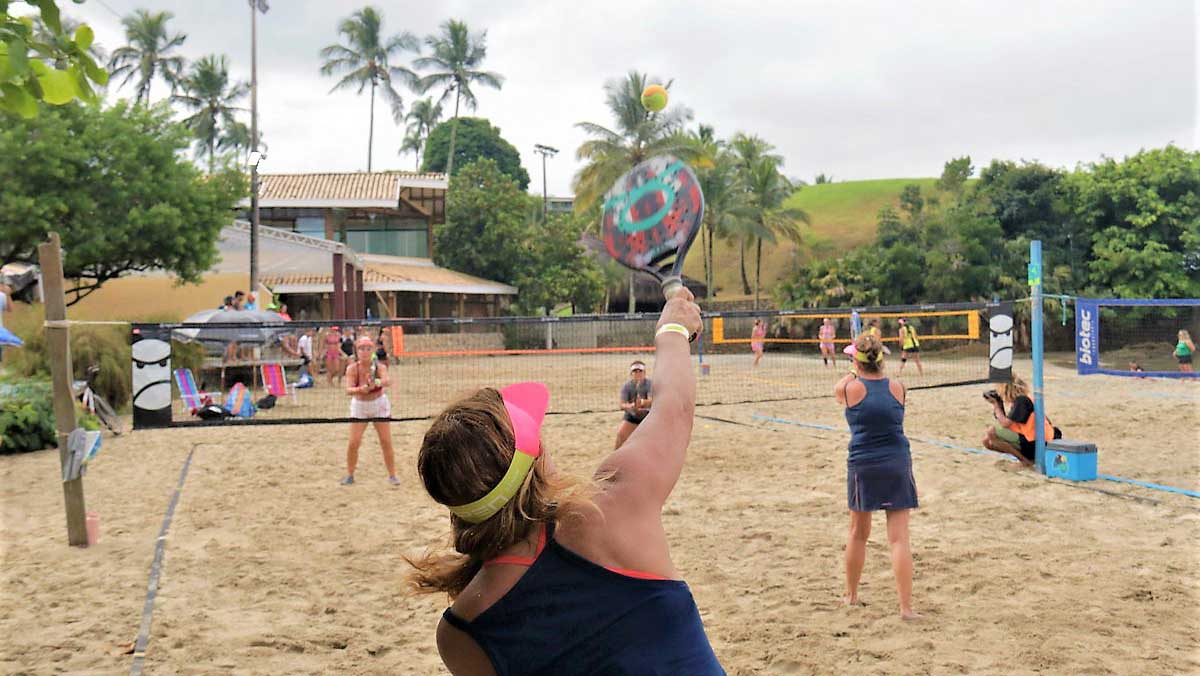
{"type": "Point", "coordinates": [843, 217]}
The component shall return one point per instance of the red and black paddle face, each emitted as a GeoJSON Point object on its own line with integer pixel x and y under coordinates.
{"type": "Point", "coordinates": [651, 215]}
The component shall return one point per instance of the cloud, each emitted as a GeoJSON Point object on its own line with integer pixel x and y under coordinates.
{"type": "Point", "coordinates": [859, 90]}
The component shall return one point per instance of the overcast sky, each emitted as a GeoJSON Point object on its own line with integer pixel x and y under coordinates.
{"type": "Point", "coordinates": [854, 89]}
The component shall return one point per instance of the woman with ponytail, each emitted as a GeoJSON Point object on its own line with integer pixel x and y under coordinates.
{"type": "Point", "coordinates": [551, 575]}
{"type": "Point", "coordinates": [879, 468]}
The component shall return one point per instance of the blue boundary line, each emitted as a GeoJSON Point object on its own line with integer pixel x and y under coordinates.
{"type": "Point", "coordinates": [980, 451]}
{"type": "Point", "coordinates": [143, 637]}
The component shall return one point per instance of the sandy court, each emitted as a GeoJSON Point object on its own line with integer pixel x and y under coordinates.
{"type": "Point", "coordinates": [272, 567]}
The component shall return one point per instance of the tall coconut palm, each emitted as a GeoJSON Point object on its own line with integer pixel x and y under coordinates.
{"type": "Point", "coordinates": [209, 96]}
{"type": "Point", "coordinates": [726, 207]}
{"type": "Point", "coordinates": [456, 59]}
{"type": "Point", "coordinates": [766, 189]}
{"type": "Point", "coordinates": [236, 139]}
{"type": "Point", "coordinates": [422, 118]}
{"type": "Point", "coordinates": [366, 59]}
{"type": "Point", "coordinates": [638, 135]}
{"type": "Point", "coordinates": [147, 53]}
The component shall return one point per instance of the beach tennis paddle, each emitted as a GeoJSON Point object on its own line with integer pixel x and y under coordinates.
{"type": "Point", "coordinates": [651, 217]}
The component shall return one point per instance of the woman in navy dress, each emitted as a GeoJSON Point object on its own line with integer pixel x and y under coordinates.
{"type": "Point", "coordinates": [879, 468]}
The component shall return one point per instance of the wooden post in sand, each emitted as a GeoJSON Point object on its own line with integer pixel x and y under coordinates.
{"type": "Point", "coordinates": [58, 343]}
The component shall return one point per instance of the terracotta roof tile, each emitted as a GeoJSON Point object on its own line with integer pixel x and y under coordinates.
{"type": "Point", "coordinates": [340, 186]}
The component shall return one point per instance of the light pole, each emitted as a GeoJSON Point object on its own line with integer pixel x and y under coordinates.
{"type": "Point", "coordinates": [256, 6]}
{"type": "Point", "coordinates": [544, 151]}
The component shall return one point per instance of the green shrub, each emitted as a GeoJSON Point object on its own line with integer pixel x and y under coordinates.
{"type": "Point", "coordinates": [103, 346]}
{"type": "Point", "coordinates": [27, 416]}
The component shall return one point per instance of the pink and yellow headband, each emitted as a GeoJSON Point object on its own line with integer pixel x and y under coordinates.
{"type": "Point", "coordinates": [526, 404]}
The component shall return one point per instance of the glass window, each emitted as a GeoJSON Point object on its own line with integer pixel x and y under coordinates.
{"type": "Point", "coordinates": [310, 225]}
{"type": "Point", "coordinates": [412, 243]}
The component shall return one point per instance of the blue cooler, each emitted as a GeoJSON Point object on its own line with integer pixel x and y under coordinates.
{"type": "Point", "coordinates": [1074, 460]}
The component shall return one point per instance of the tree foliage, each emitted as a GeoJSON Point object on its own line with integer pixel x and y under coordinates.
{"type": "Point", "coordinates": [456, 60]}
{"type": "Point", "coordinates": [477, 138]}
{"type": "Point", "coordinates": [210, 97]}
{"type": "Point", "coordinates": [489, 233]}
{"type": "Point", "coordinates": [112, 183]}
{"type": "Point", "coordinates": [1126, 229]}
{"type": "Point", "coordinates": [366, 58]}
{"type": "Point", "coordinates": [147, 52]}
{"type": "Point", "coordinates": [44, 63]}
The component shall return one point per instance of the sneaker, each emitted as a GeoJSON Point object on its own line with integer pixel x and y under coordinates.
{"type": "Point", "coordinates": [393, 481]}
{"type": "Point", "coordinates": [349, 480]}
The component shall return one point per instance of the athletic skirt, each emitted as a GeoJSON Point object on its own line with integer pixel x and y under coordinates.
{"type": "Point", "coordinates": [373, 408]}
{"type": "Point", "coordinates": [883, 484]}
{"type": "Point", "coordinates": [1184, 358]}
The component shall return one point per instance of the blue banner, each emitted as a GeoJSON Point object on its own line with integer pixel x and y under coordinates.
{"type": "Point", "coordinates": [1087, 335]}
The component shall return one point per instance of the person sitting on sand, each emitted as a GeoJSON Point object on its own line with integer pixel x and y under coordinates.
{"type": "Point", "coordinates": [553, 575]}
{"type": "Point", "coordinates": [879, 467]}
{"type": "Point", "coordinates": [1015, 432]}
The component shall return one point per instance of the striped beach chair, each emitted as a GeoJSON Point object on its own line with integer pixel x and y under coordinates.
{"type": "Point", "coordinates": [275, 380]}
{"type": "Point", "coordinates": [192, 397]}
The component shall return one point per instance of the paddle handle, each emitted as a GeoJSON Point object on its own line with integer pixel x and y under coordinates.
{"type": "Point", "coordinates": [671, 286]}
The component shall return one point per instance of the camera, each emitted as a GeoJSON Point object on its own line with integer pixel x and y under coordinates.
{"type": "Point", "coordinates": [993, 395]}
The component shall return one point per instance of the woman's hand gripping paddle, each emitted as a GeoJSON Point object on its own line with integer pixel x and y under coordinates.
{"type": "Point", "coordinates": [651, 216]}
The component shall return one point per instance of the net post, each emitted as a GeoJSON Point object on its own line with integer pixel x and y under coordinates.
{"type": "Point", "coordinates": [58, 343]}
{"type": "Point", "coordinates": [1039, 406]}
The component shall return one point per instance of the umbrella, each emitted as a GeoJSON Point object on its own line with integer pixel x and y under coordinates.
{"type": "Point", "coordinates": [260, 326]}
{"type": "Point", "coordinates": [9, 339]}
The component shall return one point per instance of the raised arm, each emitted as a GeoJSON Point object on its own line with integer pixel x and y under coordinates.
{"type": "Point", "coordinates": [644, 470]}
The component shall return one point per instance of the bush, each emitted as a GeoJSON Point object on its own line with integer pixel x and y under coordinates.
{"type": "Point", "coordinates": [103, 346]}
{"type": "Point", "coordinates": [27, 416]}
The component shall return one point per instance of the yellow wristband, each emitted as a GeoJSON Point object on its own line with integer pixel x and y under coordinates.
{"type": "Point", "coordinates": [674, 328]}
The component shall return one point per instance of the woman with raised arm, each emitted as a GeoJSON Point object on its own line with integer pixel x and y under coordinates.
{"type": "Point", "coordinates": [557, 576]}
{"type": "Point", "coordinates": [879, 468]}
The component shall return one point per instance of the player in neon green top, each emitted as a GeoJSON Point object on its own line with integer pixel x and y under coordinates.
{"type": "Point", "coordinates": [910, 345]}
{"type": "Point", "coordinates": [1183, 351]}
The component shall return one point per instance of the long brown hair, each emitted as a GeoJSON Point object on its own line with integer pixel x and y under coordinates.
{"type": "Point", "coordinates": [1014, 388]}
{"type": "Point", "coordinates": [465, 453]}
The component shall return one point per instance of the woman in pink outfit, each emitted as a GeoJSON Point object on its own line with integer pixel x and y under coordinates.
{"type": "Point", "coordinates": [757, 334]}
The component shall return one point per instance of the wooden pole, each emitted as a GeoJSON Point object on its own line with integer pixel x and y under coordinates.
{"type": "Point", "coordinates": [339, 300]}
{"type": "Point", "coordinates": [58, 343]}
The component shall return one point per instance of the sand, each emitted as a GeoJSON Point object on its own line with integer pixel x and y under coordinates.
{"type": "Point", "coordinates": [272, 567]}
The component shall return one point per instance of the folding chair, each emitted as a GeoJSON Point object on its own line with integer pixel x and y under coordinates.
{"type": "Point", "coordinates": [275, 380]}
{"type": "Point", "coordinates": [193, 399]}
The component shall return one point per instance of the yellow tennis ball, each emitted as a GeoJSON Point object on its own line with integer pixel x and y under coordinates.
{"type": "Point", "coordinates": [654, 98]}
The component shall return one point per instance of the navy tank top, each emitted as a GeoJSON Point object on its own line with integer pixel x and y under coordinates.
{"type": "Point", "coordinates": [876, 425]}
{"type": "Point", "coordinates": [568, 616]}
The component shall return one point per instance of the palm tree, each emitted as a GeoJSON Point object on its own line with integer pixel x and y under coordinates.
{"type": "Point", "coordinates": [725, 207]}
{"type": "Point", "coordinates": [210, 95]}
{"type": "Point", "coordinates": [457, 56]}
{"type": "Point", "coordinates": [412, 144]}
{"type": "Point", "coordinates": [146, 55]}
{"type": "Point", "coordinates": [236, 139]}
{"type": "Point", "coordinates": [748, 150]}
{"type": "Point", "coordinates": [766, 190]}
{"type": "Point", "coordinates": [638, 136]}
{"type": "Point", "coordinates": [422, 118]}
{"type": "Point", "coordinates": [366, 60]}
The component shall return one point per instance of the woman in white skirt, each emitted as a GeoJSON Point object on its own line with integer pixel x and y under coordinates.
{"type": "Point", "coordinates": [367, 383]}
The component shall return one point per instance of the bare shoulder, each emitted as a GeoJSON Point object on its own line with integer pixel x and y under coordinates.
{"type": "Point", "coordinates": [461, 654]}
{"type": "Point", "coordinates": [897, 389]}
